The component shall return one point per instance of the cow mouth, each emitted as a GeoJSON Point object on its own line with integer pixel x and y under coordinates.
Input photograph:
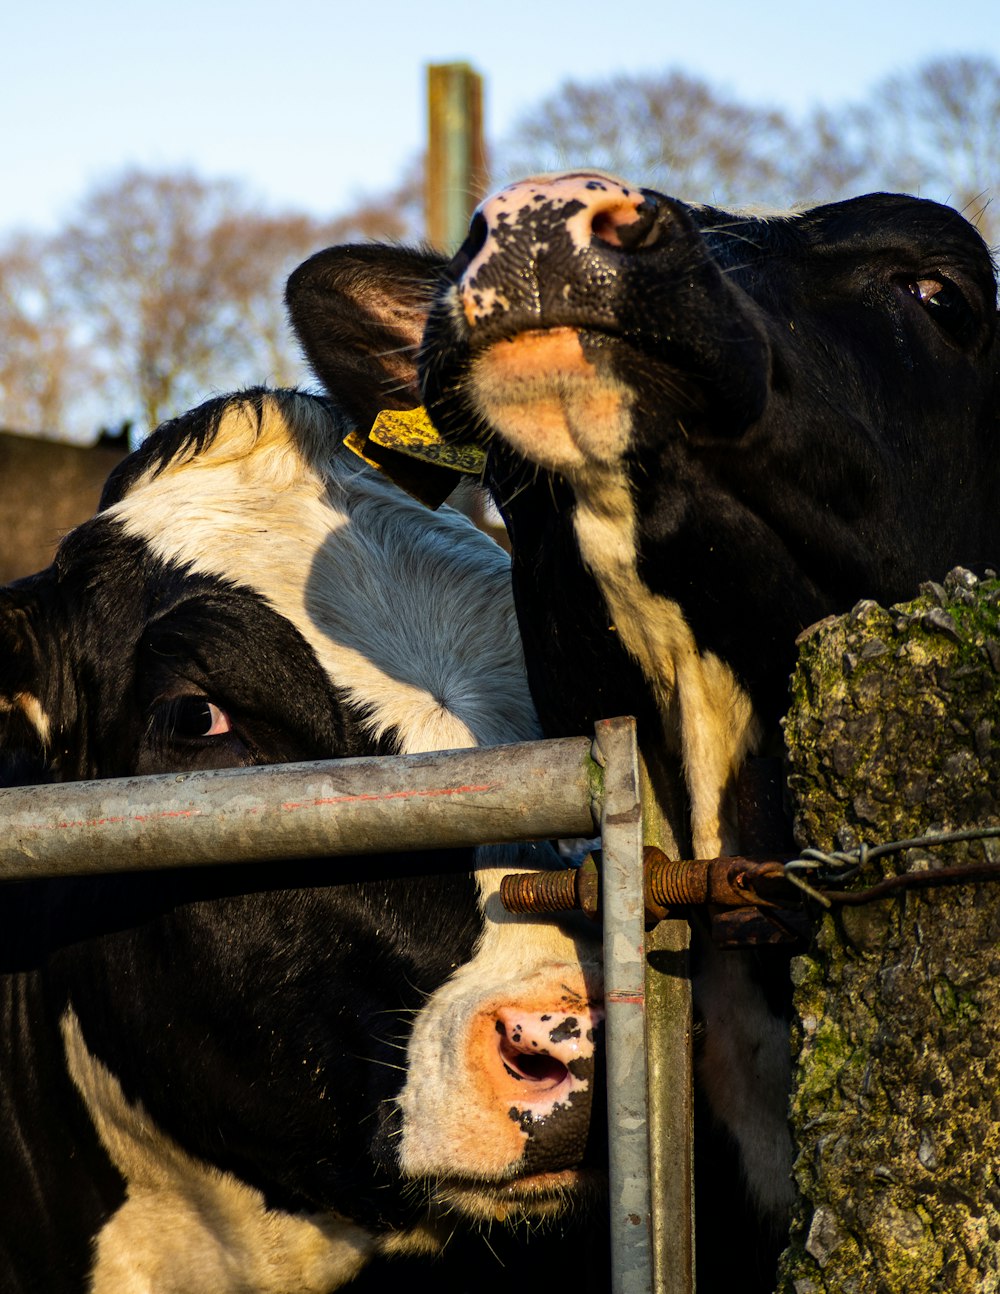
{"type": "Point", "coordinates": [533, 1197]}
{"type": "Point", "coordinates": [542, 390]}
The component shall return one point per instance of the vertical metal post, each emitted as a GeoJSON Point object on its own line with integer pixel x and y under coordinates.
{"type": "Point", "coordinates": [668, 1059]}
{"type": "Point", "coordinates": [456, 153]}
{"type": "Point", "coordinates": [624, 994]}
{"type": "Point", "coordinates": [669, 1066]}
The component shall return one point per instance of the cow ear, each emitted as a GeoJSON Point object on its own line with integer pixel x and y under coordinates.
{"type": "Point", "coordinates": [359, 313]}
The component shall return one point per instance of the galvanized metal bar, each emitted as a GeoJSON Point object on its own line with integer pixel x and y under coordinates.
{"type": "Point", "coordinates": [671, 1105]}
{"type": "Point", "coordinates": [669, 1071]}
{"type": "Point", "coordinates": [624, 974]}
{"type": "Point", "coordinates": [492, 795]}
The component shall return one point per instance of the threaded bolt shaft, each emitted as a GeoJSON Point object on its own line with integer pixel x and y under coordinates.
{"type": "Point", "coordinates": [539, 891]}
{"type": "Point", "coordinates": [670, 883]}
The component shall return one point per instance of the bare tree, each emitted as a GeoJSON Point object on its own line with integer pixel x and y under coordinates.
{"type": "Point", "coordinates": [934, 132]}
{"type": "Point", "coordinates": [931, 131]}
{"type": "Point", "coordinates": [397, 215]}
{"type": "Point", "coordinates": [139, 270]}
{"type": "Point", "coordinates": [178, 283]}
{"type": "Point", "coordinates": [44, 370]}
{"type": "Point", "coordinates": [826, 159]}
{"type": "Point", "coordinates": [168, 286]}
{"type": "Point", "coordinates": [258, 252]}
{"type": "Point", "coordinates": [673, 132]}
{"type": "Point", "coordinates": [163, 288]}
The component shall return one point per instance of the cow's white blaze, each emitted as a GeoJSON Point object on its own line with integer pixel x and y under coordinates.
{"type": "Point", "coordinates": [401, 616]}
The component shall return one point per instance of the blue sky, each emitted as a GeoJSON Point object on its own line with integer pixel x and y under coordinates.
{"type": "Point", "coordinates": [313, 102]}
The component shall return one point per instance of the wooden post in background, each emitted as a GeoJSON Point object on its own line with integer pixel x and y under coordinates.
{"type": "Point", "coordinates": [456, 154]}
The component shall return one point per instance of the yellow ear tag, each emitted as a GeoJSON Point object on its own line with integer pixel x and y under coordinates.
{"type": "Point", "coordinates": [405, 445]}
{"type": "Point", "coordinates": [411, 432]}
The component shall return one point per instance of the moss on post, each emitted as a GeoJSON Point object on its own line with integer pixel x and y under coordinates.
{"type": "Point", "coordinates": [894, 731]}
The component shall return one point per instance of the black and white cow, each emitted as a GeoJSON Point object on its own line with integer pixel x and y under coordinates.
{"type": "Point", "coordinates": [706, 431]}
{"type": "Point", "coordinates": [245, 1079]}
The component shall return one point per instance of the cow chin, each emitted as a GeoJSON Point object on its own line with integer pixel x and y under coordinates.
{"type": "Point", "coordinates": [538, 1197]}
{"type": "Point", "coordinates": [550, 402]}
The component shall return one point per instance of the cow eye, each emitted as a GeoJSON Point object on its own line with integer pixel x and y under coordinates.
{"type": "Point", "coordinates": [947, 306]}
{"type": "Point", "coordinates": [196, 717]}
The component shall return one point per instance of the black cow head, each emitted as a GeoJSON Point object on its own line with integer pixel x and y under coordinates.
{"type": "Point", "coordinates": [707, 429]}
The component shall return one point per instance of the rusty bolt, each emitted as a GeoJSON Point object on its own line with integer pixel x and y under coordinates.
{"type": "Point", "coordinates": [669, 884]}
{"type": "Point", "coordinates": [561, 891]}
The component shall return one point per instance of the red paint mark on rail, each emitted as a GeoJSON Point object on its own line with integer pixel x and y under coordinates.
{"type": "Point", "coordinates": [617, 996]}
{"type": "Point", "coordinates": [254, 809]}
{"type": "Point", "coordinates": [122, 817]}
{"type": "Point", "coordinates": [392, 795]}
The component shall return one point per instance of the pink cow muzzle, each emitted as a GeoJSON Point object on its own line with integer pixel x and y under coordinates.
{"type": "Point", "coordinates": [500, 1093]}
{"type": "Point", "coordinates": [548, 1062]}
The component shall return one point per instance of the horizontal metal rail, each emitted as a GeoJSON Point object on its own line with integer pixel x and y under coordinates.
{"type": "Point", "coordinates": [450, 799]}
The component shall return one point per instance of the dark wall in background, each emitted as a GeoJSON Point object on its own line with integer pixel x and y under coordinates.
{"type": "Point", "coordinates": [46, 488]}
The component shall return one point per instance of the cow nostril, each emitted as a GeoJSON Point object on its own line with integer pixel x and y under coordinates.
{"type": "Point", "coordinates": [535, 1067]}
{"type": "Point", "coordinates": [625, 226]}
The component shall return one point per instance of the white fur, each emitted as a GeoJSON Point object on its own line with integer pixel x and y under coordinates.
{"type": "Point", "coordinates": [707, 716]}
{"type": "Point", "coordinates": [520, 960]}
{"type": "Point", "coordinates": [409, 612]}
{"type": "Point", "coordinates": [31, 708]}
{"type": "Point", "coordinates": [709, 719]}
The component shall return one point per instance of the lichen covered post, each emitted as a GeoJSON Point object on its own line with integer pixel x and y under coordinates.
{"type": "Point", "coordinates": [894, 732]}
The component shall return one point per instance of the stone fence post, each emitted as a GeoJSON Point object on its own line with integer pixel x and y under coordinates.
{"type": "Point", "coordinates": [894, 732]}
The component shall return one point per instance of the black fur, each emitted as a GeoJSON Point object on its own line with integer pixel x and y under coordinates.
{"type": "Point", "coordinates": [806, 432]}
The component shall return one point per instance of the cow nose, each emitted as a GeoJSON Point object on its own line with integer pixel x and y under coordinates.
{"type": "Point", "coordinates": [536, 247]}
{"type": "Point", "coordinates": [589, 204]}
{"type": "Point", "coordinates": [548, 1061]}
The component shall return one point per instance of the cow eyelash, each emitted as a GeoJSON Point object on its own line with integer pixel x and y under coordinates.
{"type": "Point", "coordinates": [946, 304]}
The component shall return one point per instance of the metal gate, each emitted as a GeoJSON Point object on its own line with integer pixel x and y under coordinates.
{"type": "Point", "coordinates": [535, 791]}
